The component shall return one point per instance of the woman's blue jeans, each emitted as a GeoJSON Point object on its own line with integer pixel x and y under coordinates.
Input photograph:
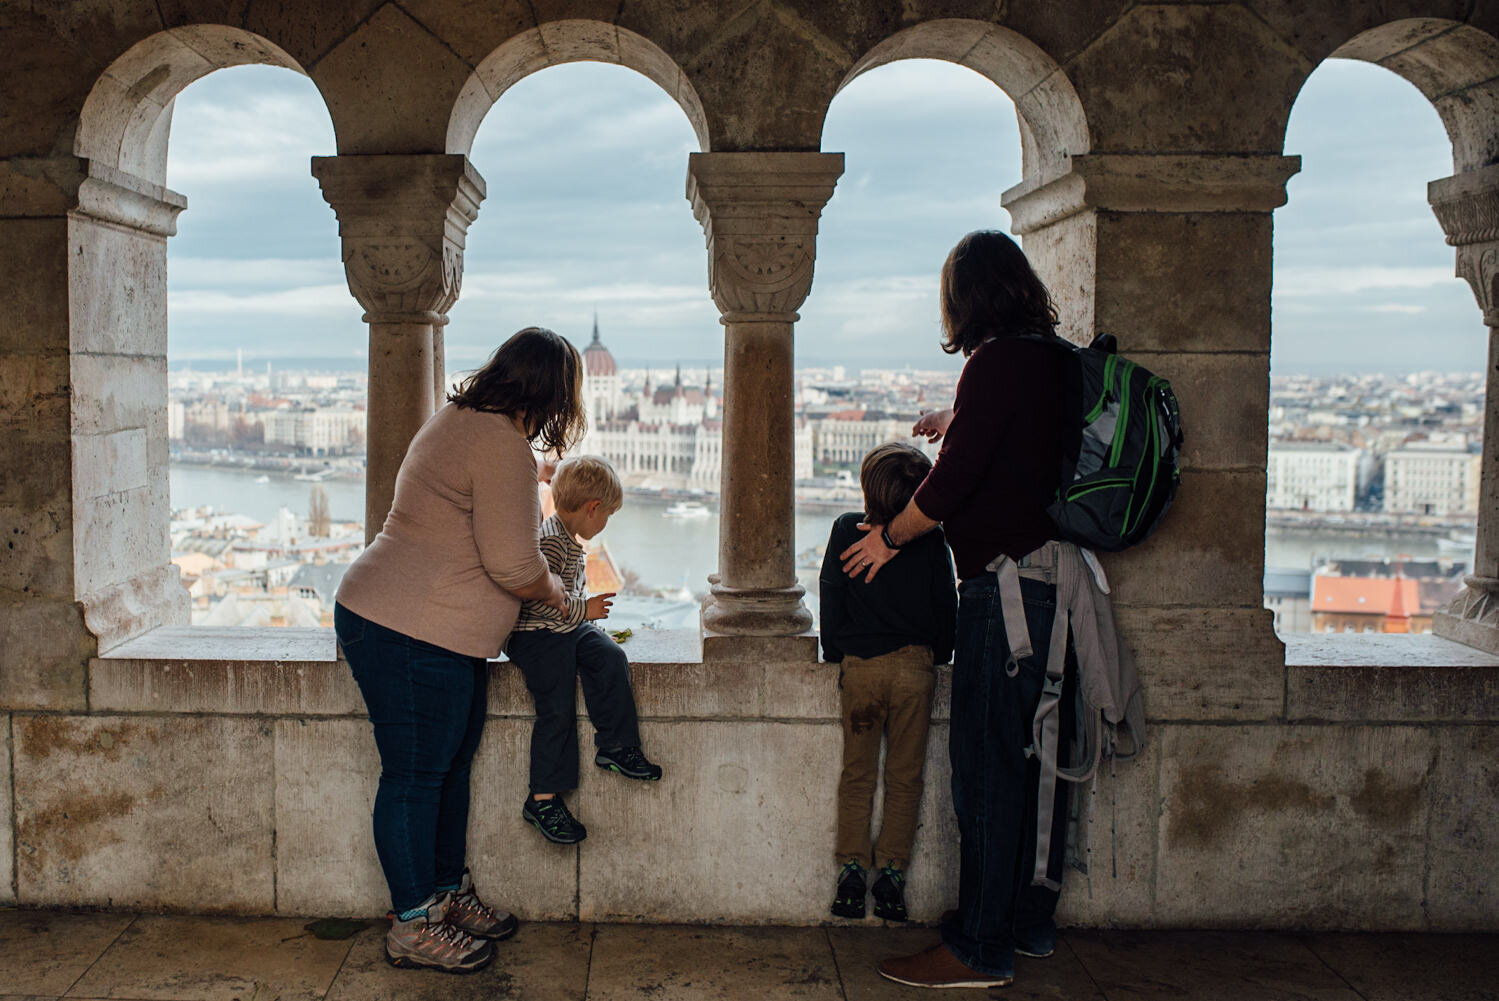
{"type": "Point", "coordinates": [427, 705]}
{"type": "Point", "coordinates": [994, 783]}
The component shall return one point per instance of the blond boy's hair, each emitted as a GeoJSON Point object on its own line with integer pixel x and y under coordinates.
{"type": "Point", "coordinates": [585, 478]}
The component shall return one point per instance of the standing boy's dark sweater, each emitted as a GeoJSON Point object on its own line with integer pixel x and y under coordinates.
{"type": "Point", "coordinates": [913, 602]}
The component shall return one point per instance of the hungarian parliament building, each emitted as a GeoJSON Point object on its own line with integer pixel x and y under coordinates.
{"type": "Point", "coordinates": [669, 436]}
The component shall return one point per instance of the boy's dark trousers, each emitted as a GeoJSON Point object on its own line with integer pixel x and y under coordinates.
{"type": "Point", "coordinates": [553, 664]}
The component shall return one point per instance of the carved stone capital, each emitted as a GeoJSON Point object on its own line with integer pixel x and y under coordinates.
{"type": "Point", "coordinates": [403, 220]}
{"type": "Point", "coordinates": [113, 196]}
{"type": "Point", "coordinates": [1153, 182]}
{"type": "Point", "coordinates": [1472, 617]}
{"type": "Point", "coordinates": [1467, 206]}
{"type": "Point", "coordinates": [759, 212]}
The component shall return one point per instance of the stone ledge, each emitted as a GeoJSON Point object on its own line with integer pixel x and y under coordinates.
{"type": "Point", "coordinates": [1404, 679]}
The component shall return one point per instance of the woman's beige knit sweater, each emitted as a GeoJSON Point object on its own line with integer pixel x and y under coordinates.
{"type": "Point", "coordinates": [464, 526]}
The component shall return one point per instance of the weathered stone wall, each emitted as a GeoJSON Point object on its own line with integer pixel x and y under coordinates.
{"type": "Point", "coordinates": [174, 772]}
{"type": "Point", "coordinates": [1365, 801]}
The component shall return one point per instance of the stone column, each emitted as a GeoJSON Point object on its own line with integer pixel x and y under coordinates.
{"type": "Point", "coordinates": [403, 220]}
{"type": "Point", "coordinates": [1467, 206]}
{"type": "Point", "coordinates": [759, 212]}
{"type": "Point", "coordinates": [1172, 254]}
{"type": "Point", "coordinates": [83, 404]}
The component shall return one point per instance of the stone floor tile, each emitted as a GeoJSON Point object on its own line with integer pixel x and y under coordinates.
{"type": "Point", "coordinates": [699, 963]}
{"type": "Point", "coordinates": [860, 950]}
{"type": "Point", "coordinates": [1205, 966]}
{"type": "Point", "coordinates": [45, 952]}
{"type": "Point", "coordinates": [167, 958]}
{"type": "Point", "coordinates": [543, 962]}
{"type": "Point", "coordinates": [1414, 967]}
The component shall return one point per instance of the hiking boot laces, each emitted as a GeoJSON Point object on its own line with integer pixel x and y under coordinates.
{"type": "Point", "coordinates": [475, 917]}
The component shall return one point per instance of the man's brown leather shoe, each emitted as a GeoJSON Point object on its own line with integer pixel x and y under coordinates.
{"type": "Point", "coordinates": [938, 967]}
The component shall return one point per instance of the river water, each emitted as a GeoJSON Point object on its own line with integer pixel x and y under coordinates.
{"type": "Point", "coordinates": [665, 552]}
{"type": "Point", "coordinates": [669, 553]}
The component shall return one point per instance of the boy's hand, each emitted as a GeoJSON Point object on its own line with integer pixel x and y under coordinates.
{"type": "Point", "coordinates": [598, 606]}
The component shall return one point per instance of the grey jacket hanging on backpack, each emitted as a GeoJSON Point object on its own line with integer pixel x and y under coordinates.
{"type": "Point", "coordinates": [1111, 709]}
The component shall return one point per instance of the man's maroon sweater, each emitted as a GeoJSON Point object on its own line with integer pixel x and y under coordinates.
{"type": "Point", "coordinates": [1001, 456]}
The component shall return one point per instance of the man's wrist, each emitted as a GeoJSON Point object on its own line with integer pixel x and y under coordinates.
{"type": "Point", "coordinates": [886, 539]}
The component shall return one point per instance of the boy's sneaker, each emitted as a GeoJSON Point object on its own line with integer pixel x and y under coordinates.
{"type": "Point", "coordinates": [552, 819]}
{"type": "Point", "coordinates": [848, 898]}
{"type": "Point", "coordinates": [429, 941]}
{"type": "Point", "coordinates": [470, 914]}
{"type": "Point", "coordinates": [889, 892]}
{"type": "Point", "coordinates": [627, 761]}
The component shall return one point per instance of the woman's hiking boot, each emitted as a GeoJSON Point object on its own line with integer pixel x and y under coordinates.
{"type": "Point", "coordinates": [552, 818]}
{"type": "Point", "coordinates": [470, 914]}
{"type": "Point", "coordinates": [848, 898]}
{"type": "Point", "coordinates": [889, 892]}
{"type": "Point", "coordinates": [428, 940]}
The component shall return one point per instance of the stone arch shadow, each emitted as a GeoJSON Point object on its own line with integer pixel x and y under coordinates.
{"type": "Point", "coordinates": [554, 43]}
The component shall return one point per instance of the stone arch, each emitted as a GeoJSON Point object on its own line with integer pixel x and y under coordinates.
{"type": "Point", "coordinates": [126, 119]}
{"type": "Point", "coordinates": [554, 43]}
{"type": "Point", "coordinates": [1053, 125]}
{"type": "Point", "coordinates": [1455, 65]}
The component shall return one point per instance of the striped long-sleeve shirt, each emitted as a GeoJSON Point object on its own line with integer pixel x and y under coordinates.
{"type": "Point", "coordinates": [567, 559]}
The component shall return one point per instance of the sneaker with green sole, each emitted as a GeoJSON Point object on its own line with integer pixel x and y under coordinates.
{"type": "Point", "coordinates": [630, 762]}
{"type": "Point", "coordinates": [889, 892]}
{"type": "Point", "coordinates": [848, 898]}
{"type": "Point", "coordinates": [553, 819]}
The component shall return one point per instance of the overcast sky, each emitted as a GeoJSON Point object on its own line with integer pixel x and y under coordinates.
{"type": "Point", "coordinates": [586, 167]}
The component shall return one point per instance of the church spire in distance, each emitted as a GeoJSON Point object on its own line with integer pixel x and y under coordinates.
{"type": "Point", "coordinates": [595, 328]}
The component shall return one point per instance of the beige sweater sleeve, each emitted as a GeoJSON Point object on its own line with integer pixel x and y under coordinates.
{"type": "Point", "coordinates": [507, 517]}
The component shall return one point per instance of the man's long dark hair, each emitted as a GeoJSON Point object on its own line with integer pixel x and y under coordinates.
{"type": "Point", "coordinates": [538, 374]}
{"type": "Point", "coordinates": [990, 290]}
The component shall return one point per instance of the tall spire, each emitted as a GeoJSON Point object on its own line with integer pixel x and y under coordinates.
{"type": "Point", "coordinates": [678, 383]}
{"type": "Point", "coordinates": [595, 326]}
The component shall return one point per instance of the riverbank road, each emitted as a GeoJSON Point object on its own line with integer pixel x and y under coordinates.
{"type": "Point", "coordinates": [47, 955]}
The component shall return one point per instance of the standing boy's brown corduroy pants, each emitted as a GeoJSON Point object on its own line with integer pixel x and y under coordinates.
{"type": "Point", "coordinates": [889, 695]}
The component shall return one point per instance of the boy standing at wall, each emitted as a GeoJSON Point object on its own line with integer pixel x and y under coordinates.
{"type": "Point", "coordinates": [555, 650]}
{"type": "Point", "coordinates": [888, 634]}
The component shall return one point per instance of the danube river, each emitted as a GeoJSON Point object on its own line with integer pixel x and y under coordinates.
{"type": "Point", "coordinates": [666, 553]}
{"type": "Point", "coordinates": [671, 553]}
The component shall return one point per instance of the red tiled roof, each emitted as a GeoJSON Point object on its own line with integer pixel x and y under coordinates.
{"type": "Point", "coordinates": [1365, 595]}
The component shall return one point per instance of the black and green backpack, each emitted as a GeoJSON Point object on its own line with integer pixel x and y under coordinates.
{"type": "Point", "coordinates": [1119, 464]}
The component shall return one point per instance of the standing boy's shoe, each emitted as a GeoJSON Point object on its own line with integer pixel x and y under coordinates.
{"type": "Point", "coordinates": [889, 892]}
{"type": "Point", "coordinates": [938, 967]}
{"type": "Point", "coordinates": [428, 940]}
{"type": "Point", "coordinates": [848, 898]}
{"type": "Point", "coordinates": [630, 762]}
{"type": "Point", "coordinates": [552, 818]}
{"type": "Point", "coordinates": [470, 914]}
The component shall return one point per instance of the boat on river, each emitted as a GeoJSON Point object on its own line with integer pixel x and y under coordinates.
{"type": "Point", "coordinates": [686, 509]}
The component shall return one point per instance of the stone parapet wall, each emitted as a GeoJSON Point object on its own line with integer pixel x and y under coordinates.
{"type": "Point", "coordinates": [1365, 801]}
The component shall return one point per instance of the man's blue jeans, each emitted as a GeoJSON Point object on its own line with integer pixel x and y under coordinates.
{"type": "Point", "coordinates": [994, 783]}
{"type": "Point", "coordinates": [427, 705]}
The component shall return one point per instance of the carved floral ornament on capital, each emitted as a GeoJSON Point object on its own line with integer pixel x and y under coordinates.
{"type": "Point", "coordinates": [407, 280]}
{"type": "Point", "coordinates": [761, 274]}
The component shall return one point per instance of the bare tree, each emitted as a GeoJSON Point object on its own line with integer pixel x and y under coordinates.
{"type": "Point", "coordinates": [319, 520]}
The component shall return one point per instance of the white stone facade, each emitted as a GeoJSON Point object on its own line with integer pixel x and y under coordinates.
{"type": "Point", "coordinates": [1304, 476]}
{"type": "Point", "coordinates": [1431, 478]}
{"type": "Point", "coordinates": [318, 431]}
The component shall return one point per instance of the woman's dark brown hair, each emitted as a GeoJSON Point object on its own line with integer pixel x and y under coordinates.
{"type": "Point", "coordinates": [536, 373]}
{"type": "Point", "coordinates": [990, 290]}
{"type": "Point", "coordinates": [889, 475]}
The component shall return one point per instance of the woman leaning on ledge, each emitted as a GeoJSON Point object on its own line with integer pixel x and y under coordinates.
{"type": "Point", "coordinates": [420, 612]}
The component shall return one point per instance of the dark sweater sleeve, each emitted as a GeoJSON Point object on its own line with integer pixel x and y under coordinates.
{"type": "Point", "coordinates": [968, 447]}
{"type": "Point", "coordinates": [944, 605]}
{"type": "Point", "coordinates": [832, 592]}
